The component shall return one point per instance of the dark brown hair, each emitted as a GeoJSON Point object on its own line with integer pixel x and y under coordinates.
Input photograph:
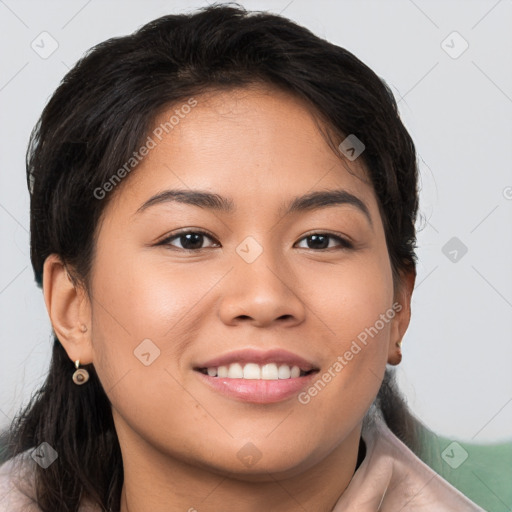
{"type": "Point", "coordinates": [101, 113]}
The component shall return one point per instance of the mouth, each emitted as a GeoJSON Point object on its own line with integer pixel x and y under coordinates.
{"type": "Point", "coordinates": [257, 377]}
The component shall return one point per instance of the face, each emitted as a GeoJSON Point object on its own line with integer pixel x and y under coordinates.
{"type": "Point", "coordinates": [189, 292]}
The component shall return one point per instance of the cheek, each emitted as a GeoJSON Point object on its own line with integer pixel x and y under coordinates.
{"type": "Point", "coordinates": [143, 307]}
{"type": "Point", "coordinates": [355, 304]}
{"type": "Point", "coordinates": [141, 319]}
{"type": "Point", "coordinates": [143, 297]}
{"type": "Point", "coordinates": [350, 298]}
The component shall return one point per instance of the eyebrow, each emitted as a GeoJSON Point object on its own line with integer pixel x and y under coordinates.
{"type": "Point", "coordinates": [211, 201]}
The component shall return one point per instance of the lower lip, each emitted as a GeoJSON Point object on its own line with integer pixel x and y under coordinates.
{"type": "Point", "coordinates": [257, 391]}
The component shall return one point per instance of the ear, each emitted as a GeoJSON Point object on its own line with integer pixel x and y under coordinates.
{"type": "Point", "coordinates": [400, 322]}
{"type": "Point", "coordinates": [69, 310]}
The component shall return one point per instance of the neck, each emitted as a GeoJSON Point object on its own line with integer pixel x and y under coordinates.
{"type": "Point", "coordinates": [154, 482]}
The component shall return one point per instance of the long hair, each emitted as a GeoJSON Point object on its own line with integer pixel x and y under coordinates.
{"type": "Point", "coordinates": [102, 112]}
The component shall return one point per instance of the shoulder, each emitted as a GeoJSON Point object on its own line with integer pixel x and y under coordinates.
{"type": "Point", "coordinates": [424, 486]}
{"type": "Point", "coordinates": [17, 485]}
{"type": "Point", "coordinates": [392, 477]}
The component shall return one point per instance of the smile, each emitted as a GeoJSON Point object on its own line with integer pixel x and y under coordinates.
{"type": "Point", "coordinates": [257, 377]}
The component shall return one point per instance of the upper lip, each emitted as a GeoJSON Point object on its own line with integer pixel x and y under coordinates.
{"type": "Point", "coordinates": [260, 357]}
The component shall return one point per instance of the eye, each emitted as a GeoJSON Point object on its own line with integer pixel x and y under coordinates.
{"type": "Point", "coordinates": [321, 241]}
{"type": "Point", "coordinates": [189, 240]}
{"type": "Point", "coordinates": [193, 240]}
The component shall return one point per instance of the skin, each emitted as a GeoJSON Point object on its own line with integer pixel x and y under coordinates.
{"type": "Point", "coordinates": [180, 439]}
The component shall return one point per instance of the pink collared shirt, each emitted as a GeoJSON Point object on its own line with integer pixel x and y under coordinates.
{"type": "Point", "coordinates": [392, 478]}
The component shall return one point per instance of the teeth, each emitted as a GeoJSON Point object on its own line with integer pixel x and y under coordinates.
{"type": "Point", "coordinates": [235, 371]}
{"type": "Point", "coordinates": [284, 371]}
{"type": "Point", "coordinates": [295, 372]}
{"type": "Point", "coordinates": [253, 371]}
{"type": "Point", "coordinates": [269, 372]}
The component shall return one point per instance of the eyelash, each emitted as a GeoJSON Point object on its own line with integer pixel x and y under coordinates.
{"type": "Point", "coordinates": [344, 244]}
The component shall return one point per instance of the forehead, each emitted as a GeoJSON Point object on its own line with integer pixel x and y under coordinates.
{"type": "Point", "coordinates": [250, 144]}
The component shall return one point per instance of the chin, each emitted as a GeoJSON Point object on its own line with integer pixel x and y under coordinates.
{"type": "Point", "coordinates": [250, 464]}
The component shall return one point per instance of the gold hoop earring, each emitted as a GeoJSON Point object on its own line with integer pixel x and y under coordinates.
{"type": "Point", "coordinates": [399, 351]}
{"type": "Point", "coordinates": [81, 376]}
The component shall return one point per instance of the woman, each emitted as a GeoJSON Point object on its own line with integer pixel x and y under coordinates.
{"type": "Point", "coordinates": [222, 223]}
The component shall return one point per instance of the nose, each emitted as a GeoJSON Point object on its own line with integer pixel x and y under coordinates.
{"type": "Point", "coordinates": [262, 293]}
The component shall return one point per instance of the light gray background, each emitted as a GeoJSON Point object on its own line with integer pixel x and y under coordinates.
{"type": "Point", "coordinates": [456, 370]}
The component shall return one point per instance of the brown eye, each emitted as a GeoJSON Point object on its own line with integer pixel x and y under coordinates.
{"type": "Point", "coordinates": [188, 240]}
{"type": "Point", "coordinates": [320, 241]}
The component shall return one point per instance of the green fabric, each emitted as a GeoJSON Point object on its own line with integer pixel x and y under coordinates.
{"type": "Point", "coordinates": [482, 472]}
